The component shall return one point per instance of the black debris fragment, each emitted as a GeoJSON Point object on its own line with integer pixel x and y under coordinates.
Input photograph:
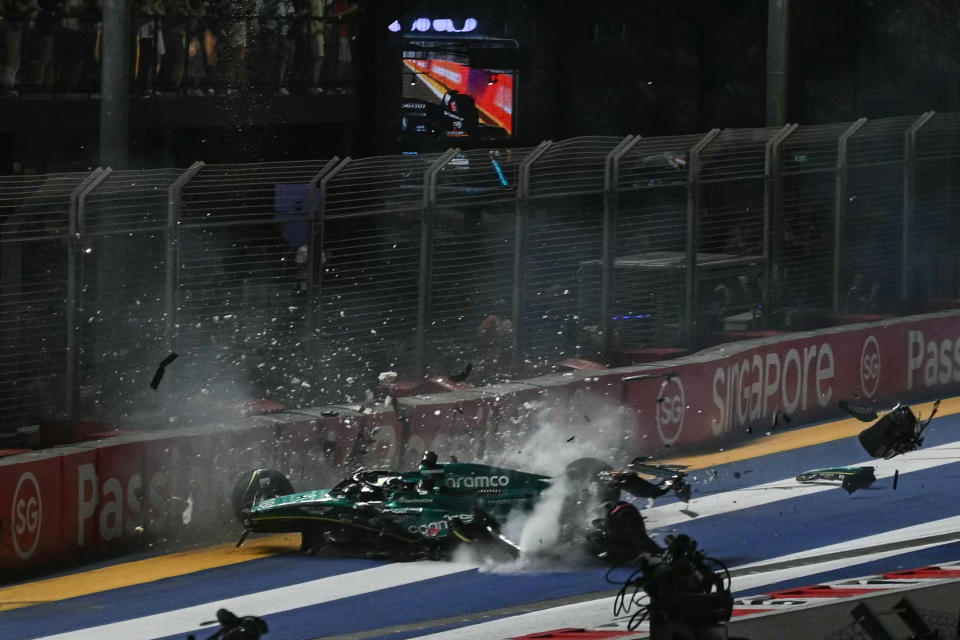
{"type": "Point", "coordinates": [587, 418]}
{"type": "Point", "coordinates": [896, 477]}
{"type": "Point", "coordinates": [779, 418]}
{"type": "Point", "coordinates": [898, 431]}
{"type": "Point", "coordinates": [859, 481]}
{"type": "Point", "coordinates": [570, 439]}
{"type": "Point", "coordinates": [158, 376]}
{"type": "Point", "coordinates": [736, 474]}
{"type": "Point", "coordinates": [460, 377]}
{"type": "Point", "coordinates": [858, 411]}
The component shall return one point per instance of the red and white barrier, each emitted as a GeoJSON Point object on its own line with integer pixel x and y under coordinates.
{"type": "Point", "coordinates": [98, 497]}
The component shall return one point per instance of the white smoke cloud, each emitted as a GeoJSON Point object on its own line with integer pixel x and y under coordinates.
{"type": "Point", "coordinates": [550, 537]}
{"type": "Point", "coordinates": [584, 426]}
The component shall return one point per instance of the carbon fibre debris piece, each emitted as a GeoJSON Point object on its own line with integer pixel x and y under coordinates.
{"type": "Point", "coordinates": [158, 376]}
{"type": "Point", "coordinates": [851, 478]}
{"type": "Point", "coordinates": [860, 412]}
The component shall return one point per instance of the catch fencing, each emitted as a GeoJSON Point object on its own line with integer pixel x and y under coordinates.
{"type": "Point", "coordinates": [301, 282]}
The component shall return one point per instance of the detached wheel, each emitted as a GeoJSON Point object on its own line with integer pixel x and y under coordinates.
{"type": "Point", "coordinates": [582, 475]}
{"type": "Point", "coordinates": [584, 493]}
{"type": "Point", "coordinates": [254, 486]}
{"type": "Point", "coordinates": [585, 469]}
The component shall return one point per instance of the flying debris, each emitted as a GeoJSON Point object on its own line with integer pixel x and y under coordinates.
{"type": "Point", "coordinates": [666, 478]}
{"type": "Point", "coordinates": [780, 417]}
{"type": "Point", "coordinates": [851, 478]}
{"type": "Point", "coordinates": [234, 627]}
{"type": "Point", "coordinates": [898, 431]}
{"type": "Point", "coordinates": [460, 377]}
{"type": "Point", "coordinates": [368, 402]}
{"type": "Point", "coordinates": [860, 412]}
{"type": "Point", "coordinates": [158, 376]}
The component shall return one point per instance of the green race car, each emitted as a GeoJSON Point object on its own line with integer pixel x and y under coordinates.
{"type": "Point", "coordinates": [429, 512]}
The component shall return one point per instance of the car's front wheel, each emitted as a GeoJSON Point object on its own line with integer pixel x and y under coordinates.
{"type": "Point", "coordinates": [254, 486]}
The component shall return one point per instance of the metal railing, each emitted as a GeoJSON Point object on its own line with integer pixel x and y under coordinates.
{"type": "Point", "coordinates": [301, 282]}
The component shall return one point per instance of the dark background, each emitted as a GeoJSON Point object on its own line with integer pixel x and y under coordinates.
{"type": "Point", "coordinates": [603, 68]}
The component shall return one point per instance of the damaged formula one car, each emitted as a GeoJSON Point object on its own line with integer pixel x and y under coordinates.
{"type": "Point", "coordinates": [429, 512]}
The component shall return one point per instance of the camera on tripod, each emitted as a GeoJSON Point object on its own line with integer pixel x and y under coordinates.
{"type": "Point", "coordinates": [689, 593]}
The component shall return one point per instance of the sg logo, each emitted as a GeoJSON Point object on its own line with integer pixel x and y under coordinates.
{"type": "Point", "coordinates": [26, 515]}
{"type": "Point", "coordinates": [671, 403]}
{"type": "Point", "coordinates": [870, 366]}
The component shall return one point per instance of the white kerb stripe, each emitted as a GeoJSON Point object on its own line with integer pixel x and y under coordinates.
{"type": "Point", "coordinates": [271, 601]}
{"type": "Point", "coordinates": [598, 614]}
{"type": "Point", "coordinates": [755, 496]}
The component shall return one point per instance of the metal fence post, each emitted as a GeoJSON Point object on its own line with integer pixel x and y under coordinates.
{"type": "Point", "coordinates": [174, 202]}
{"type": "Point", "coordinates": [427, 224]}
{"type": "Point", "coordinates": [840, 208]}
{"type": "Point", "coordinates": [521, 229]}
{"type": "Point", "coordinates": [772, 222]}
{"type": "Point", "coordinates": [693, 240]}
{"type": "Point", "coordinates": [611, 174]}
{"type": "Point", "coordinates": [78, 204]}
{"type": "Point", "coordinates": [909, 199]}
{"type": "Point", "coordinates": [316, 206]}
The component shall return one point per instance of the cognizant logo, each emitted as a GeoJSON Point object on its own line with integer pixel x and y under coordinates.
{"type": "Point", "coordinates": [477, 482]}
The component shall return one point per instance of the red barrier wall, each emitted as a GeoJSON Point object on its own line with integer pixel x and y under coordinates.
{"type": "Point", "coordinates": [80, 501]}
{"type": "Point", "coordinates": [79, 497]}
{"type": "Point", "coordinates": [735, 388]}
{"type": "Point", "coordinates": [29, 511]}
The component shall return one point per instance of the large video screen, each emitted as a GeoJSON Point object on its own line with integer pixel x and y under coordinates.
{"type": "Point", "coordinates": [449, 101]}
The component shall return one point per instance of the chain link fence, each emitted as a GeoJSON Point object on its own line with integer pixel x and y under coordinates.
{"type": "Point", "coordinates": [302, 282]}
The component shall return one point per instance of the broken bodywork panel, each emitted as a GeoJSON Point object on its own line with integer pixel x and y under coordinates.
{"type": "Point", "coordinates": [850, 478]}
{"type": "Point", "coordinates": [897, 431]}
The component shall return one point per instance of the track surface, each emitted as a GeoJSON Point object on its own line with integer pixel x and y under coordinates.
{"type": "Point", "coordinates": [747, 510]}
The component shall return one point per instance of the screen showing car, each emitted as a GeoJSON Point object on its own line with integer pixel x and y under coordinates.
{"type": "Point", "coordinates": [449, 101]}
